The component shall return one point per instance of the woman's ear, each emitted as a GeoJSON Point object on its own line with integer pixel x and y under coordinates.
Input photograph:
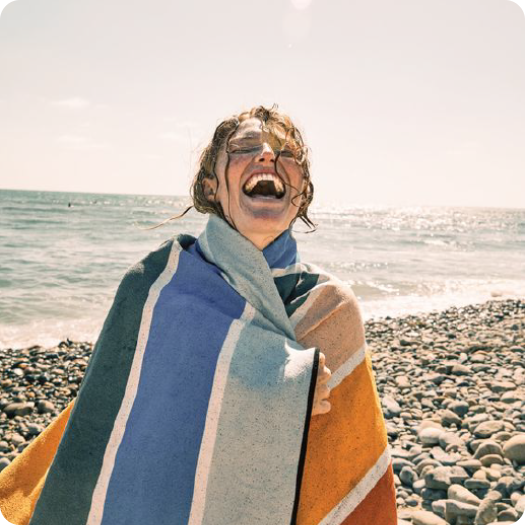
{"type": "Point", "coordinates": [210, 189]}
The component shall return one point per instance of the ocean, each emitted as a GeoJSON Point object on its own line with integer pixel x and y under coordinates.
{"type": "Point", "coordinates": [62, 256]}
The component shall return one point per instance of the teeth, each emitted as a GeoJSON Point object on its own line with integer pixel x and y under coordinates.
{"type": "Point", "coordinates": [264, 176]}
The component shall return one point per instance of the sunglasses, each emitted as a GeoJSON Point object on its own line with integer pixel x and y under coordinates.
{"type": "Point", "coordinates": [252, 146]}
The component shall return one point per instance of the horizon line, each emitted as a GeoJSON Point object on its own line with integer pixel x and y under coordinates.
{"type": "Point", "coordinates": [319, 202]}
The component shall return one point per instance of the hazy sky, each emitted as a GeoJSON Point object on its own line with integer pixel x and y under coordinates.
{"type": "Point", "coordinates": [402, 103]}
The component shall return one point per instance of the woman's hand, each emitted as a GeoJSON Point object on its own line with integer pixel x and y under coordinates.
{"type": "Point", "coordinates": [322, 390]}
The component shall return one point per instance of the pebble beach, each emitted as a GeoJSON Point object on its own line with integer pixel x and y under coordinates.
{"type": "Point", "coordinates": [452, 386]}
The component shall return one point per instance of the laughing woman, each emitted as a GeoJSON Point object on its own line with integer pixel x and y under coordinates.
{"type": "Point", "coordinates": [231, 383]}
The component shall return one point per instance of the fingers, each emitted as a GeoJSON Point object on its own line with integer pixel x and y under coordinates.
{"type": "Point", "coordinates": [324, 375]}
{"type": "Point", "coordinates": [324, 407]}
{"type": "Point", "coordinates": [321, 405]}
{"type": "Point", "coordinates": [321, 408]}
{"type": "Point", "coordinates": [322, 391]}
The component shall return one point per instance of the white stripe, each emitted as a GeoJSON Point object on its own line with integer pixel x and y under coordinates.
{"type": "Point", "coordinates": [301, 267]}
{"type": "Point", "coordinates": [293, 268]}
{"type": "Point", "coordinates": [299, 314]}
{"type": "Point", "coordinates": [348, 504]}
{"type": "Point", "coordinates": [212, 417]}
{"type": "Point", "coordinates": [100, 492]}
{"type": "Point", "coordinates": [347, 367]}
{"type": "Point", "coordinates": [226, 277]}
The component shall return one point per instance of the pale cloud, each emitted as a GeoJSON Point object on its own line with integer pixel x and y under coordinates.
{"type": "Point", "coordinates": [174, 137]}
{"type": "Point", "coordinates": [151, 156]}
{"type": "Point", "coordinates": [301, 4]}
{"type": "Point", "coordinates": [72, 103]}
{"type": "Point", "coordinates": [469, 146]}
{"type": "Point", "coordinates": [80, 142]}
{"type": "Point", "coordinates": [185, 132]}
{"type": "Point", "coordinates": [296, 24]}
{"type": "Point", "coordinates": [182, 123]}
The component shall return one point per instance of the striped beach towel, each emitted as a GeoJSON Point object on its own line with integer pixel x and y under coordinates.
{"type": "Point", "coordinates": [195, 407]}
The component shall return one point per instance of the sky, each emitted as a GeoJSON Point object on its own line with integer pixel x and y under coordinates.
{"type": "Point", "coordinates": [405, 103]}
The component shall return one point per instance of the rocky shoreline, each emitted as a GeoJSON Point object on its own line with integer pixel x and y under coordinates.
{"type": "Point", "coordinates": [452, 385]}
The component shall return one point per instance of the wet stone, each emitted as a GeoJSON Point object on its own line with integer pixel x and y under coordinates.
{"type": "Point", "coordinates": [487, 512]}
{"type": "Point", "coordinates": [458, 508]}
{"type": "Point", "coordinates": [491, 459]}
{"type": "Point", "coordinates": [399, 463]}
{"type": "Point", "coordinates": [470, 465]}
{"type": "Point", "coordinates": [4, 462]}
{"type": "Point", "coordinates": [438, 478]}
{"type": "Point", "coordinates": [429, 494]}
{"type": "Point", "coordinates": [408, 476]}
{"type": "Point", "coordinates": [502, 386]}
{"type": "Point", "coordinates": [449, 418]}
{"type": "Point", "coordinates": [391, 407]}
{"type": "Point", "coordinates": [18, 409]}
{"type": "Point", "coordinates": [486, 429]}
{"type": "Point", "coordinates": [510, 515]}
{"type": "Point", "coordinates": [44, 407]}
{"type": "Point", "coordinates": [34, 430]}
{"type": "Point", "coordinates": [460, 408]}
{"type": "Point", "coordinates": [507, 485]}
{"type": "Point", "coordinates": [459, 369]}
{"type": "Point", "coordinates": [423, 517]}
{"type": "Point", "coordinates": [514, 449]}
{"type": "Point", "coordinates": [445, 459]}
{"type": "Point", "coordinates": [460, 493]}
{"type": "Point", "coordinates": [430, 436]}
{"type": "Point", "coordinates": [520, 505]}
{"type": "Point", "coordinates": [450, 441]}
{"type": "Point", "coordinates": [15, 439]}
{"type": "Point", "coordinates": [488, 447]}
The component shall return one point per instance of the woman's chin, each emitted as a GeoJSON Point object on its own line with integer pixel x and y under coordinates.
{"type": "Point", "coordinates": [263, 215]}
{"type": "Point", "coordinates": [264, 206]}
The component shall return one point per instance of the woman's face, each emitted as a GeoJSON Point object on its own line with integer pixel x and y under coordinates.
{"type": "Point", "coordinates": [266, 213]}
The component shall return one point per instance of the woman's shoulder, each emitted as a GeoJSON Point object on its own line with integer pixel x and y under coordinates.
{"type": "Point", "coordinates": [334, 289]}
{"type": "Point", "coordinates": [330, 318]}
{"type": "Point", "coordinates": [324, 297]}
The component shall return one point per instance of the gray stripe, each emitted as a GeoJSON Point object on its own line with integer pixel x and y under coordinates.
{"type": "Point", "coordinates": [247, 271]}
{"type": "Point", "coordinates": [253, 473]}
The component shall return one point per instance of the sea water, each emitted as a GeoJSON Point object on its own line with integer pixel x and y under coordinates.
{"type": "Point", "coordinates": [62, 256]}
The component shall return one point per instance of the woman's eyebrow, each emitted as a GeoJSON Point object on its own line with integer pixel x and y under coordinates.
{"type": "Point", "coordinates": [248, 135]}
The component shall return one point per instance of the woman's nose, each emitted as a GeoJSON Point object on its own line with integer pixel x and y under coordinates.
{"type": "Point", "coordinates": [267, 152]}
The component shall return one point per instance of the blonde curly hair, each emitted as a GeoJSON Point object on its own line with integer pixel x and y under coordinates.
{"type": "Point", "coordinates": [273, 120]}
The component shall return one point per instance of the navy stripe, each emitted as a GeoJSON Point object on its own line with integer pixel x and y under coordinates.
{"type": "Point", "coordinates": [282, 251]}
{"type": "Point", "coordinates": [295, 288]}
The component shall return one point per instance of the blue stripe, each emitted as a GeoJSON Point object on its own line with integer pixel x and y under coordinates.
{"type": "Point", "coordinates": [155, 467]}
{"type": "Point", "coordinates": [282, 251]}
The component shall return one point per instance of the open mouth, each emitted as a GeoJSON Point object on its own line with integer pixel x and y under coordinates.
{"type": "Point", "coordinates": [264, 185]}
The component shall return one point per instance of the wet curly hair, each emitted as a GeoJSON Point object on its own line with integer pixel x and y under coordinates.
{"type": "Point", "coordinates": [272, 120]}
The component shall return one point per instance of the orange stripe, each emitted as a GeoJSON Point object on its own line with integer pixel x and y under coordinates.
{"type": "Point", "coordinates": [379, 506]}
{"type": "Point", "coordinates": [342, 445]}
{"type": "Point", "coordinates": [22, 481]}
